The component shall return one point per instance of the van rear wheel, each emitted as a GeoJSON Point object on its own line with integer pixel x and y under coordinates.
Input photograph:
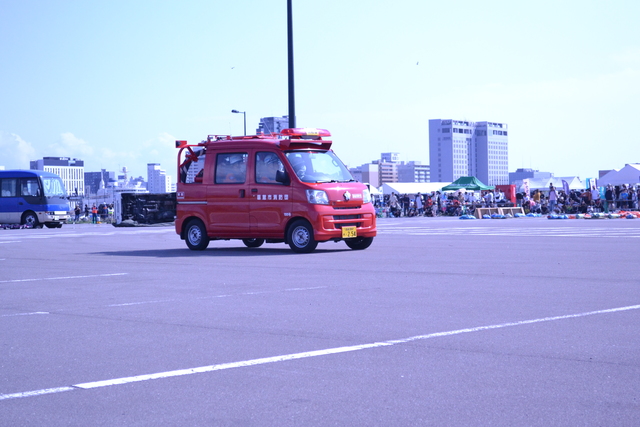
{"type": "Point", "coordinates": [359, 243]}
{"type": "Point", "coordinates": [300, 237]}
{"type": "Point", "coordinates": [253, 243]}
{"type": "Point", "coordinates": [196, 235]}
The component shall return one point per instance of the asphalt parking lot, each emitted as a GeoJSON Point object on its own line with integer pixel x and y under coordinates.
{"type": "Point", "coordinates": [441, 321]}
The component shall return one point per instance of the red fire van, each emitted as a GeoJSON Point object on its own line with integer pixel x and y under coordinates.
{"type": "Point", "coordinates": [288, 188]}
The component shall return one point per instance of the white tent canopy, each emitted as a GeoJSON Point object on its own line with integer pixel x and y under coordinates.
{"type": "Point", "coordinates": [412, 187]}
{"type": "Point", "coordinates": [630, 174]}
{"type": "Point", "coordinates": [575, 183]}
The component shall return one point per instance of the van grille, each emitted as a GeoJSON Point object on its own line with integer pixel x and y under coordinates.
{"type": "Point", "coordinates": [347, 207]}
{"type": "Point", "coordinates": [339, 217]}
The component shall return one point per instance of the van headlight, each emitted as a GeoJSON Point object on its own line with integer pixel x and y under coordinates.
{"type": "Point", "coordinates": [366, 196]}
{"type": "Point", "coordinates": [317, 197]}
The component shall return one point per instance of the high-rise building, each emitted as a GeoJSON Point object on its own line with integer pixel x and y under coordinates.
{"type": "Point", "coordinates": [270, 125]}
{"type": "Point", "coordinates": [157, 179]}
{"type": "Point", "coordinates": [463, 148]}
{"type": "Point", "coordinates": [70, 170]}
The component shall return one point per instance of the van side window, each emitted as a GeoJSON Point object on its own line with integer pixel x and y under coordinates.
{"type": "Point", "coordinates": [267, 165]}
{"type": "Point", "coordinates": [192, 168]}
{"type": "Point", "coordinates": [28, 187]}
{"type": "Point", "coordinates": [231, 168]}
{"type": "Point", "coordinates": [8, 187]}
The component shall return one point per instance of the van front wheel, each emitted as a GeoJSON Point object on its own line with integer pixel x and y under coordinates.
{"type": "Point", "coordinates": [31, 219]}
{"type": "Point", "coordinates": [359, 243]}
{"type": "Point", "coordinates": [196, 235]}
{"type": "Point", "coordinates": [300, 237]}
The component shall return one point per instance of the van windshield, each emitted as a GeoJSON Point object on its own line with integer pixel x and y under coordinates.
{"type": "Point", "coordinates": [53, 187]}
{"type": "Point", "coordinates": [318, 166]}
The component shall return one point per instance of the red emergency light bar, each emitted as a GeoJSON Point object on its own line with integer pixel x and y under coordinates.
{"type": "Point", "coordinates": [180, 144]}
{"type": "Point", "coordinates": [305, 133]}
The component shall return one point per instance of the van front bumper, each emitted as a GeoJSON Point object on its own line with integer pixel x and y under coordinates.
{"type": "Point", "coordinates": [53, 216]}
{"type": "Point", "coordinates": [332, 221]}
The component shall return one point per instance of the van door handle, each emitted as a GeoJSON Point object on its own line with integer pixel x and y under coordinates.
{"type": "Point", "coordinates": [241, 193]}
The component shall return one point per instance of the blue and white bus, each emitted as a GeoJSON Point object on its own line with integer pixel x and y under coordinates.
{"type": "Point", "coordinates": [33, 198]}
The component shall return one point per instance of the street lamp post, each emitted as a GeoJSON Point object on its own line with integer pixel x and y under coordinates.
{"type": "Point", "coordinates": [292, 98]}
{"type": "Point", "coordinates": [244, 113]}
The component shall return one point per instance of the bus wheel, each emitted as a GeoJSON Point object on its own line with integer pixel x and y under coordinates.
{"type": "Point", "coordinates": [253, 243]}
{"type": "Point", "coordinates": [31, 219]}
{"type": "Point", "coordinates": [196, 235]}
{"type": "Point", "coordinates": [300, 237]}
{"type": "Point", "coordinates": [359, 243]}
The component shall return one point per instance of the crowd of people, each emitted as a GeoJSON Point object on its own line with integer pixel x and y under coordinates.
{"type": "Point", "coordinates": [549, 201]}
{"type": "Point", "coordinates": [100, 213]}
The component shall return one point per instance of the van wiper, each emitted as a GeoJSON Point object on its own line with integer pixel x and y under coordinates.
{"type": "Point", "coordinates": [334, 180]}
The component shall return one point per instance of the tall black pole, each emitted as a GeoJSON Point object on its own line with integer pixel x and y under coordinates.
{"type": "Point", "coordinates": [292, 100]}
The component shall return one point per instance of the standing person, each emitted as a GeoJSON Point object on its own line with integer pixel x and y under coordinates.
{"type": "Point", "coordinates": [77, 211]}
{"type": "Point", "coordinates": [393, 204]}
{"type": "Point", "coordinates": [608, 198]}
{"type": "Point", "coordinates": [86, 211]}
{"type": "Point", "coordinates": [443, 201]}
{"type": "Point", "coordinates": [419, 207]}
{"type": "Point", "coordinates": [406, 202]}
{"type": "Point", "coordinates": [624, 195]}
{"type": "Point", "coordinates": [595, 198]}
{"type": "Point", "coordinates": [94, 214]}
{"type": "Point", "coordinates": [488, 198]}
{"type": "Point", "coordinates": [553, 199]}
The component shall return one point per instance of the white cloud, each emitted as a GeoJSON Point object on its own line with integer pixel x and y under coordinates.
{"type": "Point", "coordinates": [69, 145]}
{"type": "Point", "coordinates": [16, 152]}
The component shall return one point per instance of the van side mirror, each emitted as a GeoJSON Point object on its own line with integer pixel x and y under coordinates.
{"type": "Point", "coordinates": [283, 177]}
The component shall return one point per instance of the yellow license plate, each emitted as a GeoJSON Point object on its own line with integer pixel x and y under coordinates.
{"type": "Point", "coordinates": [348, 232]}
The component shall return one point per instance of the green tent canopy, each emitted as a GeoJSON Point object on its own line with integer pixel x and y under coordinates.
{"type": "Point", "coordinates": [467, 183]}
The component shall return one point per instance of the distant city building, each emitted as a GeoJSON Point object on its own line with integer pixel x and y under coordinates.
{"type": "Point", "coordinates": [463, 148]}
{"type": "Point", "coordinates": [157, 179]}
{"type": "Point", "coordinates": [390, 157]}
{"type": "Point", "coordinates": [521, 174]}
{"type": "Point", "coordinates": [414, 172]}
{"type": "Point", "coordinates": [388, 172]}
{"type": "Point", "coordinates": [389, 168]}
{"type": "Point", "coordinates": [270, 125]}
{"type": "Point", "coordinates": [367, 173]}
{"type": "Point", "coordinates": [70, 170]}
{"type": "Point", "coordinates": [95, 181]}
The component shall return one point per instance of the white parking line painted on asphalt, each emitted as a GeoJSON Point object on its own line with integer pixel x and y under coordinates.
{"type": "Point", "coordinates": [303, 355]}
{"type": "Point", "coordinates": [127, 304]}
{"type": "Point", "coordinates": [25, 314]}
{"type": "Point", "coordinates": [74, 234]}
{"type": "Point", "coordinates": [511, 232]}
{"type": "Point", "coordinates": [63, 278]}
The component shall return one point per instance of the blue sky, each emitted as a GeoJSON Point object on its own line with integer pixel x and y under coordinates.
{"type": "Point", "coordinates": [116, 83]}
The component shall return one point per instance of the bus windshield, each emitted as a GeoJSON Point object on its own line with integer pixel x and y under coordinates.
{"type": "Point", "coordinates": [318, 166]}
{"type": "Point", "coordinates": [53, 187]}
